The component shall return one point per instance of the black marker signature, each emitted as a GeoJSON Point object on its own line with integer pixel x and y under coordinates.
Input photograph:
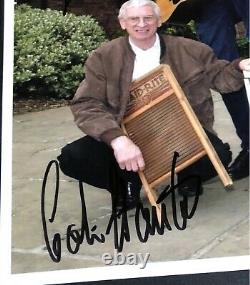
{"type": "Point", "coordinates": [73, 235]}
{"type": "Point", "coordinates": [152, 223]}
{"type": "Point", "coordinates": [119, 223]}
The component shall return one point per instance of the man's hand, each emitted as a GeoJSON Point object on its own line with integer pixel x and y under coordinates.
{"type": "Point", "coordinates": [245, 64]}
{"type": "Point", "coordinates": [127, 154]}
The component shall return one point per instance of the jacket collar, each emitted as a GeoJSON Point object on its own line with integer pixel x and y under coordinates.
{"type": "Point", "coordinates": [163, 47]}
{"type": "Point", "coordinates": [162, 44]}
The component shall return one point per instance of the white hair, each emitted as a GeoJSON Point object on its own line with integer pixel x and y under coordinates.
{"type": "Point", "coordinates": [139, 3]}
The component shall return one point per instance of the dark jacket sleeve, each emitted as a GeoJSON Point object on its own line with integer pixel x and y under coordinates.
{"type": "Point", "coordinates": [187, 11]}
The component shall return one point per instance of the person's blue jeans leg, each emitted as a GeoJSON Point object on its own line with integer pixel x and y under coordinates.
{"type": "Point", "coordinates": [241, 8]}
{"type": "Point", "coordinates": [236, 103]}
{"type": "Point", "coordinates": [215, 28]}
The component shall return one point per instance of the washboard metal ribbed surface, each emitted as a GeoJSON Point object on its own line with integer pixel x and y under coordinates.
{"type": "Point", "coordinates": [160, 120]}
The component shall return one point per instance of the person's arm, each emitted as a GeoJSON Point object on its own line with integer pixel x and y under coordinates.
{"type": "Point", "coordinates": [187, 11]}
{"type": "Point", "coordinates": [93, 116]}
{"type": "Point", "coordinates": [90, 108]}
{"type": "Point", "coordinates": [223, 76]}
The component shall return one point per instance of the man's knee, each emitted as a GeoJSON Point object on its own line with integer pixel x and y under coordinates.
{"type": "Point", "coordinates": [73, 157]}
{"type": "Point", "coordinates": [67, 163]}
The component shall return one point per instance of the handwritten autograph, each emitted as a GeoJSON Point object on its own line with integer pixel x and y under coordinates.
{"type": "Point", "coordinates": [76, 237]}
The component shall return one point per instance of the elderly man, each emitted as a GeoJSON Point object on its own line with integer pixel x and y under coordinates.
{"type": "Point", "coordinates": [101, 100]}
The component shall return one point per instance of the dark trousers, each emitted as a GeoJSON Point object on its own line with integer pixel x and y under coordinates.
{"type": "Point", "coordinates": [216, 28]}
{"type": "Point", "coordinates": [93, 162]}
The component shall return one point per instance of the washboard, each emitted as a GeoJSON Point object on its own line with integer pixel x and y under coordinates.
{"type": "Point", "coordinates": [160, 121]}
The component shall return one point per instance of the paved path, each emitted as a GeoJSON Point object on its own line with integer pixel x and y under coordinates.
{"type": "Point", "coordinates": [219, 227]}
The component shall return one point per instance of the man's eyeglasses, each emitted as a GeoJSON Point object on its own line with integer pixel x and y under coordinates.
{"type": "Point", "coordinates": [136, 20]}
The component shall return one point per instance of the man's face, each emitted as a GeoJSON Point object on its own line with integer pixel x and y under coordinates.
{"type": "Point", "coordinates": [141, 23]}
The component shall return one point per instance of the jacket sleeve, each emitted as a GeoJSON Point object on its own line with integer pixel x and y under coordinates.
{"type": "Point", "coordinates": [223, 76]}
{"type": "Point", "coordinates": [187, 11]}
{"type": "Point", "coordinates": [89, 106]}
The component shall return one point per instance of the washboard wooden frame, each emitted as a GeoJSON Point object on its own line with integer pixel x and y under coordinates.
{"type": "Point", "coordinates": [160, 120]}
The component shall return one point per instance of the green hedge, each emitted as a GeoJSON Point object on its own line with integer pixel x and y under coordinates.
{"type": "Point", "coordinates": [243, 46]}
{"type": "Point", "coordinates": [50, 50]}
{"type": "Point", "coordinates": [182, 30]}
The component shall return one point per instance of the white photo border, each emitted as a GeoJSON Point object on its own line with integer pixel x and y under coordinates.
{"type": "Point", "coordinates": [76, 275]}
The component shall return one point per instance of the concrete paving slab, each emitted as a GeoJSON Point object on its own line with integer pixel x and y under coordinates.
{"type": "Point", "coordinates": [219, 227]}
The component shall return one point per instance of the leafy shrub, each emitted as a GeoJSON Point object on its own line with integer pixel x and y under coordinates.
{"type": "Point", "coordinates": [243, 46]}
{"type": "Point", "coordinates": [182, 30]}
{"type": "Point", "coordinates": [50, 50]}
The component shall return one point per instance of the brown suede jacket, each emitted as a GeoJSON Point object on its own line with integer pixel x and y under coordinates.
{"type": "Point", "coordinates": [100, 101]}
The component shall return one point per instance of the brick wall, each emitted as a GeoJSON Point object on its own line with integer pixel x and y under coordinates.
{"type": "Point", "coordinates": [105, 11]}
